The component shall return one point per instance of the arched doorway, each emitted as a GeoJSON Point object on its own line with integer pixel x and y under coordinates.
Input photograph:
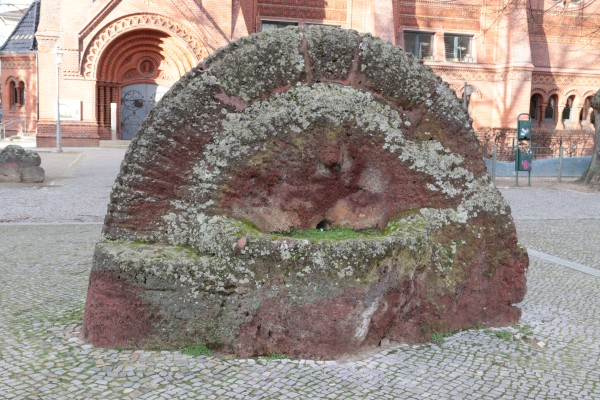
{"type": "Point", "coordinates": [134, 71]}
{"type": "Point", "coordinates": [136, 102]}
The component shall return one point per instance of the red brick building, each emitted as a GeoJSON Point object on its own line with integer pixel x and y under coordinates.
{"type": "Point", "coordinates": [537, 56]}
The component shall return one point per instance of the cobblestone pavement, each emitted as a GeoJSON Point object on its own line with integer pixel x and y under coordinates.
{"type": "Point", "coordinates": [558, 221]}
{"type": "Point", "coordinates": [44, 265]}
{"type": "Point", "coordinates": [76, 188]}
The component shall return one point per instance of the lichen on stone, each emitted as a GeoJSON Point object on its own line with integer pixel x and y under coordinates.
{"type": "Point", "coordinates": [259, 64]}
{"type": "Point", "coordinates": [307, 128]}
{"type": "Point", "coordinates": [331, 51]}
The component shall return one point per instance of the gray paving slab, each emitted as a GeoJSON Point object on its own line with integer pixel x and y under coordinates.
{"type": "Point", "coordinates": [46, 243]}
{"type": "Point", "coordinates": [76, 189]}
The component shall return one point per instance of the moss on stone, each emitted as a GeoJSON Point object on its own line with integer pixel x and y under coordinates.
{"type": "Point", "coordinates": [315, 235]}
{"type": "Point", "coordinates": [186, 257]}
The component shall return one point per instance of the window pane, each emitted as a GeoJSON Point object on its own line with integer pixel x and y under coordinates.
{"type": "Point", "coordinates": [419, 44]}
{"type": "Point", "coordinates": [533, 107]}
{"type": "Point", "coordinates": [549, 114]}
{"type": "Point", "coordinates": [410, 43]}
{"type": "Point", "coordinates": [21, 94]}
{"type": "Point", "coordinates": [13, 93]}
{"type": "Point", "coordinates": [458, 48]}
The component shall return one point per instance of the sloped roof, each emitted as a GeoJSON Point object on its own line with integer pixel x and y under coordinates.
{"type": "Point", "coordinates": [22, 39]}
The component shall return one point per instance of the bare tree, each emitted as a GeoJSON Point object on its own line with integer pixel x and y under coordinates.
{"type": "Point", "coordinates": [591, 177]}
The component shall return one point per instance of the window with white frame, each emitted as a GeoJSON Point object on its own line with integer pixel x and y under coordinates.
{"type": "Point", "coordinates": [420, 44]}
{"type": "Point", "coordinates": [459, 48]}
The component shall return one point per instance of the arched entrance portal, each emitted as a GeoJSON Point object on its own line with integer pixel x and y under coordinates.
{"type": "Point", "coordinates": [134, 71]}
{"type": "Point", "coordinates": [136, 102]}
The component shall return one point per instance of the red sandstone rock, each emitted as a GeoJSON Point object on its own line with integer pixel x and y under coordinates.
{"type": "Point", "coordinates": [20, 165]}
{"type": "Point", "coordinates": [223, 221]}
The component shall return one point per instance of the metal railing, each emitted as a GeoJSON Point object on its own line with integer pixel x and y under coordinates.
{"type": "Point", "coordinates": [548, 162]}
{"type": "Point", "coordinates": [7, 124]}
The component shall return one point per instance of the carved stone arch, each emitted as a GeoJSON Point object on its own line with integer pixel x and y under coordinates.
{"type": "Point", "coordinates": [588, 93]}
{"type": "Point", "coordinates": [557, 92]}
{"type": "Point", "coordinates": [577, 101]}
{"type": "Point", "coordinates": [13, 78]}
{"type": "Point", "coordinates": [108, 34]}
{"type": "Point", "coordinates": [586, 109]}
{"type": "Point", "coordinates": [541, 92]}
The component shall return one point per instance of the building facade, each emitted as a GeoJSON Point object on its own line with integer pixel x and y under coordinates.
{"type": "Point", "coordinates": [117, 57]}
{"type": "Point", "coordinates": [18, 90]}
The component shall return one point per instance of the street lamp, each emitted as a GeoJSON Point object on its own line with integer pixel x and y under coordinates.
{"type": "Point", "coordinates": [58, 55]}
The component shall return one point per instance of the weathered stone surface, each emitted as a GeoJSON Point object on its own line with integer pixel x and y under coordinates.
{"type": "Point", "coordinates": [284, 132]}
{"type": "Point", "coordinates": [10, 172]}
{"type": "Point", "coordinates": [32, 174]}
{"type": "Point", "coordinates": [20, 165]}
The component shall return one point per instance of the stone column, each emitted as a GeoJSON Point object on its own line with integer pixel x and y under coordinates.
{"type": "Point", "coordinates": [574, 119]}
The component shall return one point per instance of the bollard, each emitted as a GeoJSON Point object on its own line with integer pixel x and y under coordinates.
{"type": "Point", "coordinates": [560, 162]}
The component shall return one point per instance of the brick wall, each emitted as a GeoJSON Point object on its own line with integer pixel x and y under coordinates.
{"type": "Point", "coordinates": [19, 69]}
{"type": "Point", "coordinates": [72, 134]}
{"type": "Point", "coordinates": [332, 12]}
{"type": "Point", "coordinates": [515, 56]}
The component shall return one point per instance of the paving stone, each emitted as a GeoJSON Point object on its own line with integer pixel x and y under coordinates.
{"type": "Point", "coordinates": [44, 271]}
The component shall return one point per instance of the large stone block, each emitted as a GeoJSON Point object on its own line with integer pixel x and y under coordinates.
{"type": "Point", "coordinates": [10, 172]}
{"type": "Point", "coordinates": [32, 174]}
{"type": "Point", "coordinates": [309, 192]}
{"type": "Point", "coordinates": [20, 165]}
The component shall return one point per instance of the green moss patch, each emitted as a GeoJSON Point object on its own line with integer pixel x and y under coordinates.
{"type": "Point", "coordinates": [315, 235]}
{"type": "Point", "coordinates": [196, 350]}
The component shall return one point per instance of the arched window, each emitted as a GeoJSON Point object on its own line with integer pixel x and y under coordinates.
{"type": "Point", "coordinates": [535, 107]}
{"type": "Point", "coordinates": [17, 93]}
{"type": "Point", "coordinates": [566, 113]}
{"type": "Point", "coordinates": [13, 93]}
{"type": "Point", "coordinates": [550, 114]}
{"type": "Point", "coordinates": [586, 111]}
{"type": "Point", "coordinates": [21, 93]}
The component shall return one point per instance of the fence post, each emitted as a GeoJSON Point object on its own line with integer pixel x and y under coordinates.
{"type": "Point", "coordinates": [494, 159]}
{"type": "Point", "coordinates": [560, 162]}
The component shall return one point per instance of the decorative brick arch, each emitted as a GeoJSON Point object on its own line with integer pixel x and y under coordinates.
{"type": "Point", "coordinates": [134, 22]}
{"type": "Point", "coordinates": [588, 94]}
{"type": "Point", "coordinates": [541, 92]}
{"type": "Point", "coordinates": [144, 55]}
{"type": "Point", "coordinates": [574, 92]}
{"type": "Point", "coordinates": [14, 78]}
{"type": "Point", "coordinates": [557, 92]}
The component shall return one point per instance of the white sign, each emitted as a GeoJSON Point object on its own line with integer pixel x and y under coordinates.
{"type": "Point", "coordinates": [70, 110]}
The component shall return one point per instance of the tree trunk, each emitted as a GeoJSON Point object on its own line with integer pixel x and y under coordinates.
{"type": "Point", "coordinates": [591, 177]}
